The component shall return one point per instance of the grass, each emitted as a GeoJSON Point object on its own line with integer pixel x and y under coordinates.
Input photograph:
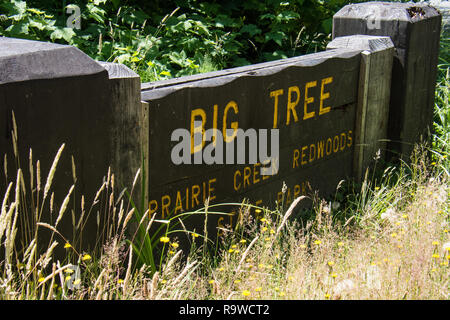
{"type": "Point", "coordinates": [387, 240]}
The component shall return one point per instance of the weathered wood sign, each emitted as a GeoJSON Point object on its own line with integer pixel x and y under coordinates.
{"type": "Point", "coordinates": [306, 122]}
{"type": "Point", "coordinates": [311, 100]}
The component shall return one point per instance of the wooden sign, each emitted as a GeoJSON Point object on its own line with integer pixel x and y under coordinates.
{"type": "Point", "coordinates": [311, 100]}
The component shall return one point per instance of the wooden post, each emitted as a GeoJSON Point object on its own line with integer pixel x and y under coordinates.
{"type": "Point", "coordinates": [414, 29]}
{"type": "Point", "coordinates": [126, 127]}
{"type": "Point", "coordinates": [59, 95]}
{"type": "Point", "coordinates": [373, 97]}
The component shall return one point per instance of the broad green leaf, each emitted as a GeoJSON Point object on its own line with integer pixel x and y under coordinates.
{"type": "Point", "coordinates": [17, 29]}
{"type": "Point", "coordinates": [276, 36]}
{"type": "Point", "coordinates": [327, 25]}
{"type": "Point", "coordinates": [187, 25]}
{"type": "Point", "coordinates": [222, 21]}
{"type": "Point", "coordinates": [62, 33]}
{"type": "Point", "coordinates": [36, 24]}
{"type": "Point", "coordinates": [251, 29]}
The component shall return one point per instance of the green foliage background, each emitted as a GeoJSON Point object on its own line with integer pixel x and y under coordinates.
{"type": "Point", "coordinates": [172, 38]}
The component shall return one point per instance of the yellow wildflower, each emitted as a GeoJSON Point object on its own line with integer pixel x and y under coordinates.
{"type": "Point", "coordinates": [331, 263]}
{"type": "Point", "coordinates": [164, 239]}
{"type": "Point", "coordinates": [175, 245]}
{"type": "Point", "coordinates": [245, 293]}
{"type": "Point", "coordinates": [318, 242]}
{"type": "Point", "coordinates": [67, 245]}
{"type": "Point", "coordinates": [86, 257]}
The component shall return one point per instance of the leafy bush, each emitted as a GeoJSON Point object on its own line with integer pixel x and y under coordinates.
{"type": "Point", "coordinates": [180, 37]}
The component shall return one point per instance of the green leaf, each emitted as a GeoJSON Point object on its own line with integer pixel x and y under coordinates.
{"type": "Point", "coordinates": [287, 15]}
{"type": "Point", "coordinates": [123, 58]}
{"type": "Point", "coordinates": [62, 33]}
{"type": "Point", "coordinates": [239, 62]}
{"type": "Point", "coordinates": [268, 16]}
{"type": "Point", "coordinates": [276, 36]}
{"type": "Point", "coordinates": [276, 55]}
{"type": "Point", "coordinates": [38, 25]}
{"type": "Point", "coordinates": [96, 13]}
{"type": "Point", "coordinates": [115, 3]}
{"type": "Point", "coordinates": [187, 25]}
{"type": "Point", "coordinates": [251, 29]}
{"type": "Point", "coordinates": [18, 29]}
{"type": "Point", "coordinates": [17, 7]}
{"type": "Point", "coordinates": [327, 25]}
{"type": "Point", "coordinates": [222, 21]}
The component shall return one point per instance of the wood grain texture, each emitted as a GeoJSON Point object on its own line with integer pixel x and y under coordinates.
{"type": "Point", "coordinates": [185, 187]}
{"type": "Point", "coordinates": [373, 98]}
{"type": "Point", "coordinates": [415, 31]}
{"type": "Point", "coordinates": [128, 121]}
